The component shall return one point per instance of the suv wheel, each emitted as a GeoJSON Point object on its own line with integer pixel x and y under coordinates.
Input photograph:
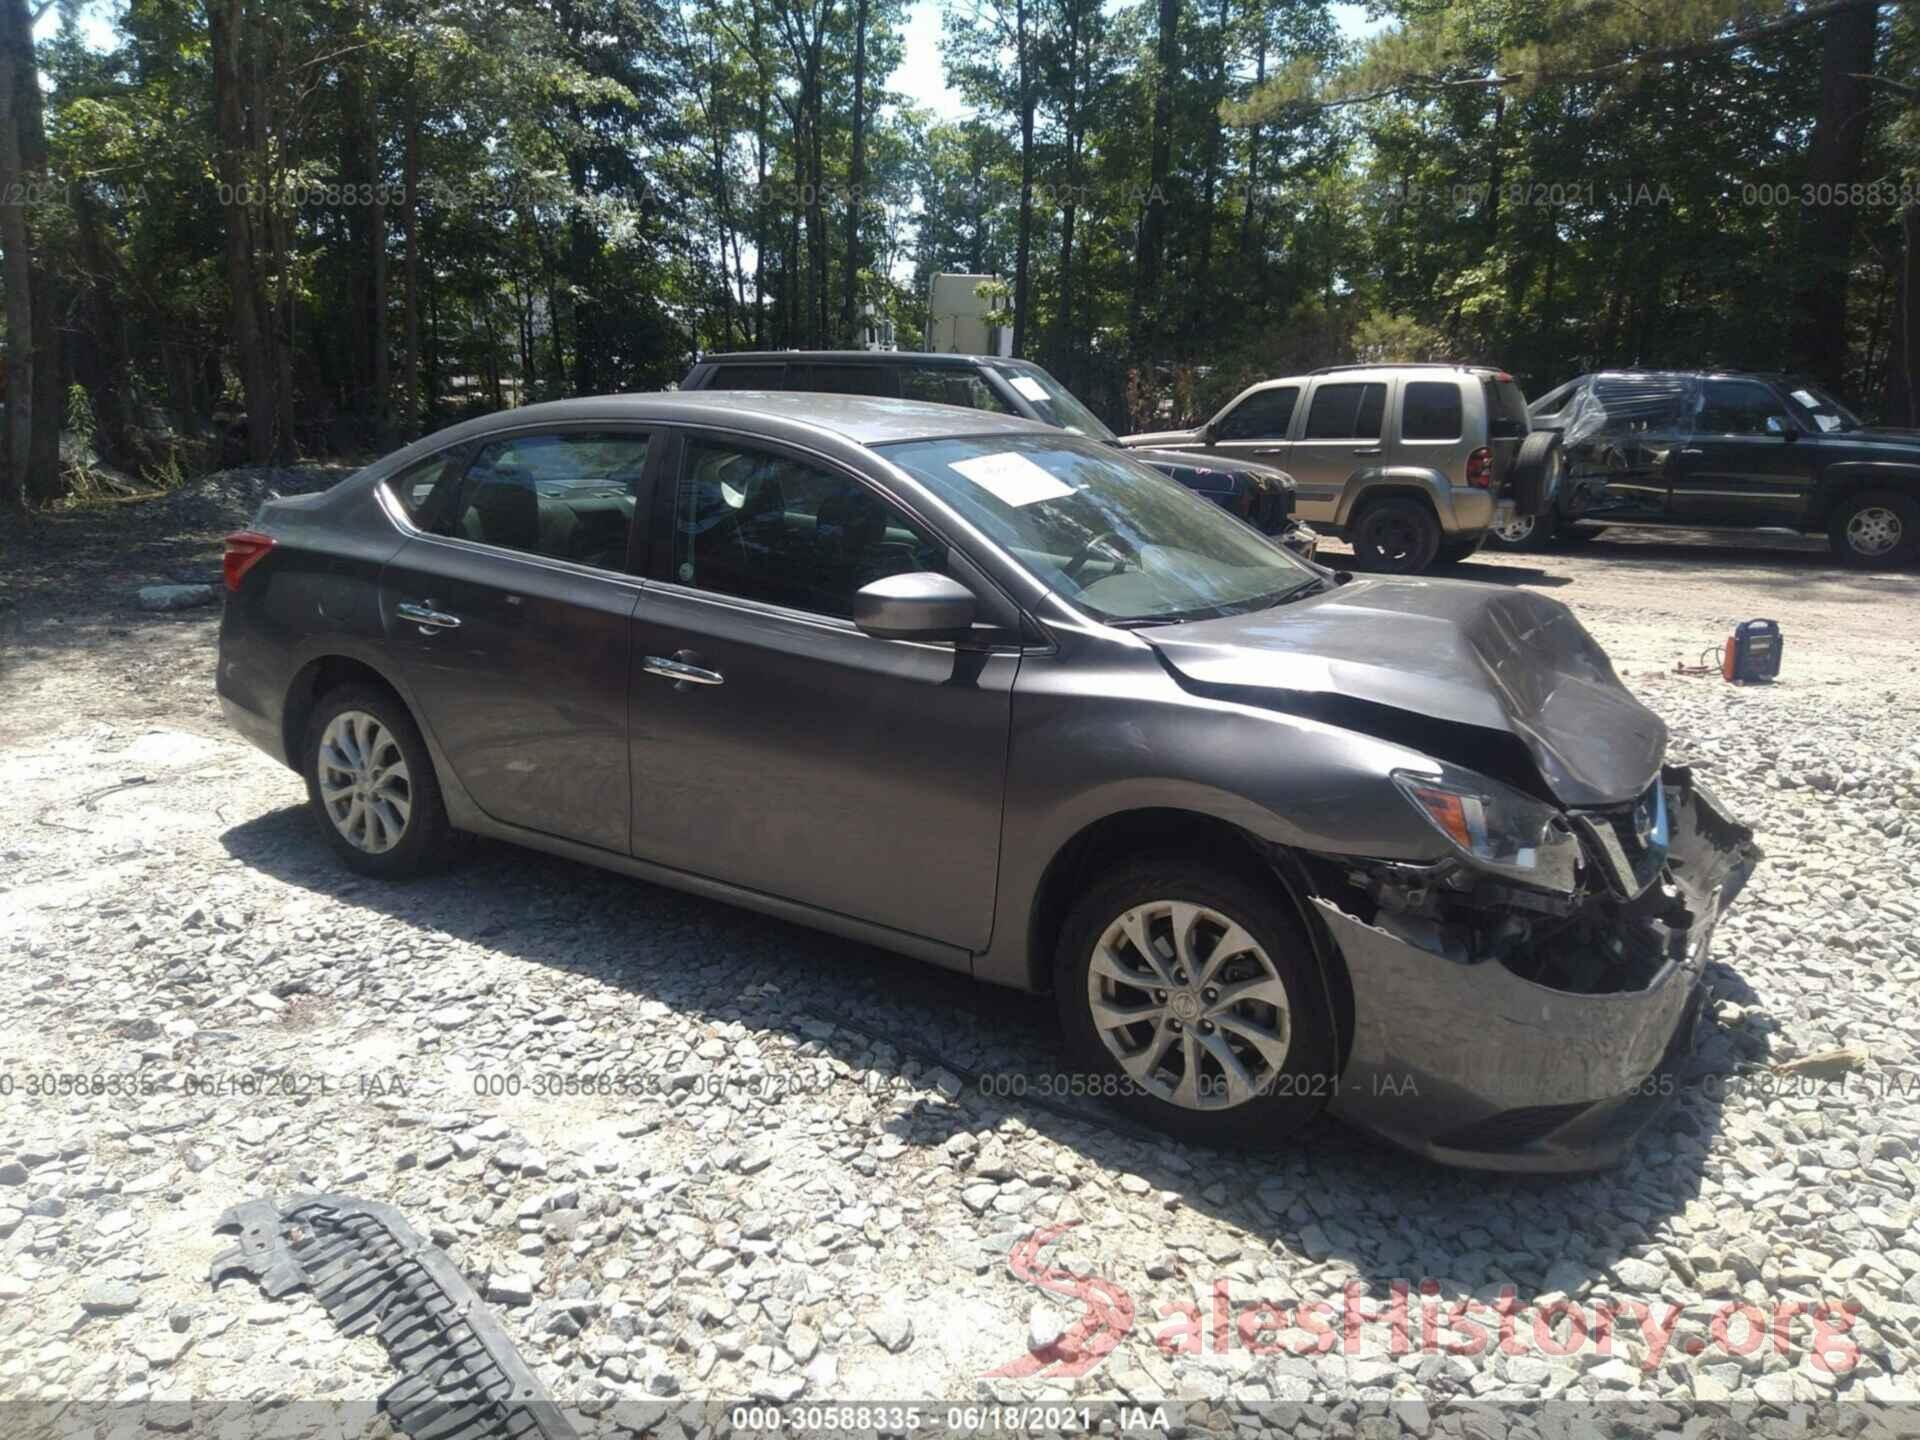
{"type": "Point", "coordinates": [1875, 530]}
{"type": "Point", "coordinates": [371, 785]}
{"type": "Point", "coordinates": [1523, 532]}
{"type": "Point", "coordinates": [1193, 995]}
{"type": "Point", "coordinates": [1399, 535]}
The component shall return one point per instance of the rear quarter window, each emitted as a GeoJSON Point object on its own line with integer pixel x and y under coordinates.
{"type": "Point", "coordinates": [1431, 410]}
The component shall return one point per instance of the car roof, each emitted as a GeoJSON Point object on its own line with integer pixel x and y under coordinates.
{"type": "Point", "coordinates": [867, 357]}
{"type": "Point", "coordinates": [776, 414]}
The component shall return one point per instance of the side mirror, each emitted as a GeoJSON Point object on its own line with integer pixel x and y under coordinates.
{"type": "Point", "coordinates": [922, 605]}
{"type": "Point", "coordinates": [1207, 435]}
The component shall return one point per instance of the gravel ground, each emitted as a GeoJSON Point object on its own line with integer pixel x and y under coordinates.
{"type": "Point", "coordinates": [690, 1152]}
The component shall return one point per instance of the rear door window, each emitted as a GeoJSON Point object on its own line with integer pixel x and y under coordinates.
{"type": "Point", "coordinates": [1347, 411]}
{"type": "Point", "coordinates": [1740, 407]}
{"type": "Point", "coordinates": [950, 385]}
{"type": "Point", "coordinates": [746, 377]}
{"type": "Point", "coordinates": [566, 496]}
{"type": "Point", "coordinates": [428, 490]}
{"type": "Point", "coordinates": [843, 379]}
{"type": "Point", "coordinates": [1430, 410]}
{"type": "Point", "coordinates": [1263, 415]}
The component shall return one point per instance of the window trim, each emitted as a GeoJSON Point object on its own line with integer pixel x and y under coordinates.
{"type": "Point", "coordinates": [474, 444]}
{"type": "Point", "coordinates": [658, 571]}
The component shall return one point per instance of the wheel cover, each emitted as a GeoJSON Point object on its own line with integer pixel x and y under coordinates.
{"type": "Point", "coordinates": [1189, 1004]}
{"type": "Point", "coordinates": [1873, 530]}
{"type": "Point", "coordinates": [364, 785]}
{"type": "Point", "coordinates": [1395, 538]}
{"type": "Point", "coordinates": [1518, 530]}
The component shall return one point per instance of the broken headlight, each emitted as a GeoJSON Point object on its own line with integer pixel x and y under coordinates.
{"type": "Point", "coordinates": [1495, 826]}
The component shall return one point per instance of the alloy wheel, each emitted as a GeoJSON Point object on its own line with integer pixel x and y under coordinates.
{"type": "Point", "coordinates": [364, 784]}
{"type": "Point", "coordinates": [1518, 530]}
{"type": "Point", "coordinates": [1873, 531]}
{"type": "Point", "coordinates": [1189, 1004]}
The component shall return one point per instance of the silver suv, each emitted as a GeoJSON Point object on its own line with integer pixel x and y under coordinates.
{"type": "Point", "coordinates": [1413, 464]}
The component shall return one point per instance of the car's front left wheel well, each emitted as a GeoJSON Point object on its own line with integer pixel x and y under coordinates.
{"type": "Point", "coordinates": [1109, 842]}
{"type": "Point", "coordinates": [315, 679]}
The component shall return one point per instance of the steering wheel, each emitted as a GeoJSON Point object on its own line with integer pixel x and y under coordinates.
{"type": "Point", "coordinates": [1071, 570]}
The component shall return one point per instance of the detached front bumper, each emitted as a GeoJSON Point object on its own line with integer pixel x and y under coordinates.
{"type": "Point", "coordinates": [1467, 1061]}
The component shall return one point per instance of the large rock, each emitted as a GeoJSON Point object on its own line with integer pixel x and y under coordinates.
{"type": "Point", "coordinates": [175, 597]}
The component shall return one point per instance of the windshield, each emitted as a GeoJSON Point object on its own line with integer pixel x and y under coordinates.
{"type": "Point", "coordinates": [1052, 401]}
{"type": "Point", "coordinates": [1117, 539]}
{"type": "Point", "coordinates": [1817, 410]}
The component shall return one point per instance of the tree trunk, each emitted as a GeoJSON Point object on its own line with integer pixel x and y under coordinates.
{"type": "Point", "coordinates": [1145, 333]}
{"type": "Point", "coordinates": [1023, 237]}
{"type": "Point", "coordinates": [226, 22]}
{"type": "Point", "coordinates": [409, 414]}
{"type": "Point", "coordinates": [40, 479]}
{"type": "Point", "coordinates": [18, 275]}
{"type": "Point", "coordinates": [115, 393]}
{"type": "Point", "coordinates": [1835, 159]}
{"type": "Point", "coordinates": [1903, 342]}
{"type": "Point", "coordinates": [857, 181]}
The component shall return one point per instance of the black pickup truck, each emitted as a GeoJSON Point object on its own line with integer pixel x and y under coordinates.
{"type": "Point", "coordinates": [1724, 449]}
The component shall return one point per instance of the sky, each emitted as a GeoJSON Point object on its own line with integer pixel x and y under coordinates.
{"type": "Point", "coordinates": [921, 79]}
{"type": "Point", "coordinates": [919, 76]}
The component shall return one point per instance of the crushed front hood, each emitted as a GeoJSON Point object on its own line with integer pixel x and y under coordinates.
{"type": "Point", "coordinates": [1440, 665]}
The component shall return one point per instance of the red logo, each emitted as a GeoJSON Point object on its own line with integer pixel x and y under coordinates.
{"type": "Point", "coordinates": [1091, 1338]}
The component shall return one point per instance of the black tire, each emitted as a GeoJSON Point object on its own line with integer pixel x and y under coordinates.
{"type": "Point", "coordinates": [1399, 535]}
{"type": "Point", "coordinates": [1453, 552]}
{"type": "Point", "coordinates": [426, 840]}
{"type": "Point", "coordinates": [1537, 472]}
{"type": "Point", "coordinates": [1875, 530]}
{"type": "Point", "coordinates": [1568, 536]}
{"type": "Point", "coordinates": [1285, 1096]}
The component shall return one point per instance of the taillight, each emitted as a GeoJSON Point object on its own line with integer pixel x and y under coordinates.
{"type": "Point", "coordinates": [245, 549]}
{"type": "Point", "coordinates": [1480, 468]}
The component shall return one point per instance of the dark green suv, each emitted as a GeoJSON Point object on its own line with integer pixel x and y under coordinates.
{"type": "Point", "coordinates": [1727, 449]}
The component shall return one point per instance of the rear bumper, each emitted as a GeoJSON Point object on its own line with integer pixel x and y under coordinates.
{"type": "Point", "coordinates": [1471, 1064]}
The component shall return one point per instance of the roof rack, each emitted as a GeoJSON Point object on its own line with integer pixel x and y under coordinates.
{"type": "Point", "coordinates": [1401, 365]}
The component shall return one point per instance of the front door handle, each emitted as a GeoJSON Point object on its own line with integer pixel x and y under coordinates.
{"type": "Point", "coordinates": [1692, 454]}
{"type": "Point", "coordinates": [422, 613]}
{"type": "Point", "coordinates": [1367, 450]}
{"type": "Point", "coordinates": [680, 671]}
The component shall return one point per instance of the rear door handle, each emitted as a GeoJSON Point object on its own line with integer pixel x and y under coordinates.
{"type": "Point", "coordinates": [1367, 450]}
{"type": "Point", "coordinates": [1692, 454]}
{"type": "Point", "coordinates": [425, 616]}
{"type": "Point", "coordinates": [681, 671]}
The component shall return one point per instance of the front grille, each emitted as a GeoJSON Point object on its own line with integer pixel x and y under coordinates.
{"type": "Point", "coordinates": [1512, 1129]}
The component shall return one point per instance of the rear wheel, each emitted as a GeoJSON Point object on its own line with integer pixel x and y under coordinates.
{"type": "Point", "coordinates": [1192, 995]}
{"type": "Point", "coordinates": [1399, 535]}
{"type": "Point", "coordinates": [1523, 532]}
{"type": "Point", "coordinates": [1875, 530]}
{"type": "Point", "coordinates": [371, 784]}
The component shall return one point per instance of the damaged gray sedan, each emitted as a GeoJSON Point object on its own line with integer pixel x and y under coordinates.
{"type": "Point", "coordinates": [1001, 698]}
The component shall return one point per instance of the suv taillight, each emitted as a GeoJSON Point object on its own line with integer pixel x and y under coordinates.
{"type": "Point", "coordinates": [1480, 468]}
{"type": "Point", "coordinates": [245, 549]}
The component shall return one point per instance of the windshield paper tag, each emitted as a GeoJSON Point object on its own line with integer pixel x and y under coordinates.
{"type": "Point", "coordinates": [1012, 478]}
{"type": "Point", "coordinates": [1806, 399]}
{"type": "Point", "coordinates": [1029, 387]}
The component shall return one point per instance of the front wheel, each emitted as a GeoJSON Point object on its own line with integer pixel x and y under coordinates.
{"type": "Point", "coordinates": [1193, 996]}
{"type": "Point", "coordinates": [1399, 535]}
{"type": "Point", "coordinates": [1875, 530]}
{"type": "Point", "coordinates": [371, 784]}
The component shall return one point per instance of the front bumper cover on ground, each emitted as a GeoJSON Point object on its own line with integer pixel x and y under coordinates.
{"type": "Point", "coordinates": [461, 1378]}
{"type": "Point", "coordinates": [1472, 1064]}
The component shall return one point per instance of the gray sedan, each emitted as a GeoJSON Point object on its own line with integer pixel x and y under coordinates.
{"type": "Point", "coordinates": [1001, 698]}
